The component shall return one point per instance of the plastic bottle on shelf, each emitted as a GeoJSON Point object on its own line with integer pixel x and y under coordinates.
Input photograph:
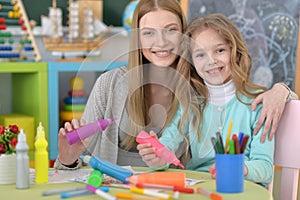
{"type": "Point", "coordinates": [41, 156]}
{"type": "Point", "coordinates": [22, 165]}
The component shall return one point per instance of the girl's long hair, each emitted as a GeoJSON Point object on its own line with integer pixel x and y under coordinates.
{"type": "Point", "coordinates": [137, 103]}
{"type": "Point", "coordinates": [240, 61]}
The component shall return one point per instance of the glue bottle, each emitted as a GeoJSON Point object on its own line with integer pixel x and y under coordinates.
{"type": "Point", "coordinates": [41, 156]}
{"type": "Point", "coordinates": [22, 174]}
{"type": "Point", "coordinates": [87, 130]}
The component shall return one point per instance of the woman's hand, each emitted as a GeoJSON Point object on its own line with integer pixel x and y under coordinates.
{"type": "Point", "coordinates": [273, 102]}
{"type": "Point", "coordinates": [148, 154]}
{"type": "Point", "coordinates": [68, 154]}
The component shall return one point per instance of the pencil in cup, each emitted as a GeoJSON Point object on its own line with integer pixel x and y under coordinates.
{"type": "Point", "coordinates": [228, 135]}
{"type": "Point", "coordinates": [233, 145]}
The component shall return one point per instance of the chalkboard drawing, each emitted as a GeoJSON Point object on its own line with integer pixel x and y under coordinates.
{"type": "Point", "coordinates": [85, 32]}
{"type": "Point", "coordinates": [270, 28]}
{"type": "Point", "coordinates": [13, 47]}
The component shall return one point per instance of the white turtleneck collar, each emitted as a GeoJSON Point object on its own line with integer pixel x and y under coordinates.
{"type": "Point", "coordinates": [220, 94]}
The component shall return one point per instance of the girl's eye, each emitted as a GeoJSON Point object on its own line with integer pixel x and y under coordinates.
{"type": "Point", "coordinates": [199, 55]}
{"type": "Point", "coordinates": [220, 50]}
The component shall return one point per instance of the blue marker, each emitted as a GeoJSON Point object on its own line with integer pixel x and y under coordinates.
{"type": "Point", "coordinates": [108, 168]}
{"type": "Point", "coordinates": [241, 136]}
{"type": "Point", "coordinates": [82, 192]}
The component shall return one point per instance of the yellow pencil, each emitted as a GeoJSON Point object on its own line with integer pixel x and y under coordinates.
{"type": "Point", "coordinates": [228, 135]}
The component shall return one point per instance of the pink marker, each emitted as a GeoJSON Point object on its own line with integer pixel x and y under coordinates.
{"type": "Point", "coordinates": [161, 151]}
{"type": "Point", "coordinates": [88, 130]}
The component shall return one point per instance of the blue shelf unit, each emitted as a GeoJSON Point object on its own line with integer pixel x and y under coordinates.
{"type": "Point", "coordinates": [54, 68]}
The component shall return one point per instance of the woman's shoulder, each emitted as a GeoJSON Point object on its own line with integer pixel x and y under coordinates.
{"type": "Point", "coordinates": [120, 71]}
{"type": "Point", "coordinates": [112, 75]}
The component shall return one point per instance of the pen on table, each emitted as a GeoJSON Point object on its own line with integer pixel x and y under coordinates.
{"type": "Point", "coordinates": [121, 195]}
{"type": "Point", "coordinates": [53, 192]}
{"type": "Point", "coordinates": [100, 193]}
{"type": "Point", "coordinates": [244, 143]}
{"type": "Point", "coordinates": [150, 193]}
{"type": "Point", "coordinates": [212, 195]}
{"type": "Point", "coordinates": [228, 135]}
{"type": "Point", "coordinates": [81, 192]}
{"type": "Point", "coordinates": [75, 193]}
{"type": "Point", "coordinates": [176, 195]}
{"type": "Point", "coordinates": [219, 138]}
{"type": "Point", "coordinates": [165, 187]}
{"type": "Point", "coordinates": [117, 185]}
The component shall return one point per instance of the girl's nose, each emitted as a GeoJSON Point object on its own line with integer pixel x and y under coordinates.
{"type": "Point", "coordinates": [212, 61]}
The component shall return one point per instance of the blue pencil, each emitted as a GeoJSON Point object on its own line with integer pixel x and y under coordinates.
{"type": "Point", "coordinates": [75, 193]}
{"type": "Point", "coordinates": [82, 192]}
{"type": "Point", "coordinates": [53, 192]}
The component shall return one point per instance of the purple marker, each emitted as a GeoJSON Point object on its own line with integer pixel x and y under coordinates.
{"type": "Point", "coordinates": [87, 130]}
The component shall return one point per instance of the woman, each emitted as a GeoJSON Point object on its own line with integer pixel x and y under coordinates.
{"type": "Point", "coordinates": [140, 96]}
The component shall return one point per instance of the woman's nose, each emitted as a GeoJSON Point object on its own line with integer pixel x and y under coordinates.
{"type": "Point", "coordinates": [161, 39]}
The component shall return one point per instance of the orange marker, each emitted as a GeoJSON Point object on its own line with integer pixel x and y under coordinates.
{"type": "Point", "coordinates": [152, 193]}
{"type": "Point", "coordinates": [162, 178]}
{"type": "Point", "coordinates": [120, 195]}
{"type": "Point", "coordinates": [212, 195]}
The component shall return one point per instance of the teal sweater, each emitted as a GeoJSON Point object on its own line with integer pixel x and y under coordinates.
{"type": "Point", "coordinates": [258, 156]}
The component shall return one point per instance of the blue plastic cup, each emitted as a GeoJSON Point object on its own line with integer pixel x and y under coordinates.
{"type": "Point", "coordinates": [230, 173]}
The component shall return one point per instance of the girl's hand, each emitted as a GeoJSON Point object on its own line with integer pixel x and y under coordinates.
{"type": "Point", "coordinates": [273, 102]}
{"type": "Point", "coordinates": [68, 154]}
{"type": "Point", "coordinates": [212, 171]}
{"type": "Point", "coordinates": [148, 154]}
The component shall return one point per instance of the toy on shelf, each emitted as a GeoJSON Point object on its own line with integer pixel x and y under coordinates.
{"type": "Point", "coordinates": [74, 104]}
{"type": "Point", "coordinates": [85, 29]}
{"type": "Point", "coordinates": [12, 14]}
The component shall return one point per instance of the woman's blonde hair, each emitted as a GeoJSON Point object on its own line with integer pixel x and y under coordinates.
{"type": "Point", "coordinates": [240, 61]}
{"type": "Point", "coordinates": [136, 102]}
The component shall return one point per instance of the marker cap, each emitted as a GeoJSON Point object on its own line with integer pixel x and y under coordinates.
{"type": "Point", "coordinates": [95, 178]}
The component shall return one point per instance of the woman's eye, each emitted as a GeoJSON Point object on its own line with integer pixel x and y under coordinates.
{"type": "Point", "coordinates": [170, 30]}
{"type": "Point", "coordinates": [147, 33]}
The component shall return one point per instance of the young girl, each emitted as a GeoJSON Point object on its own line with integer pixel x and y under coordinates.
{"type": "Point", "coordinates": [216, 61]}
